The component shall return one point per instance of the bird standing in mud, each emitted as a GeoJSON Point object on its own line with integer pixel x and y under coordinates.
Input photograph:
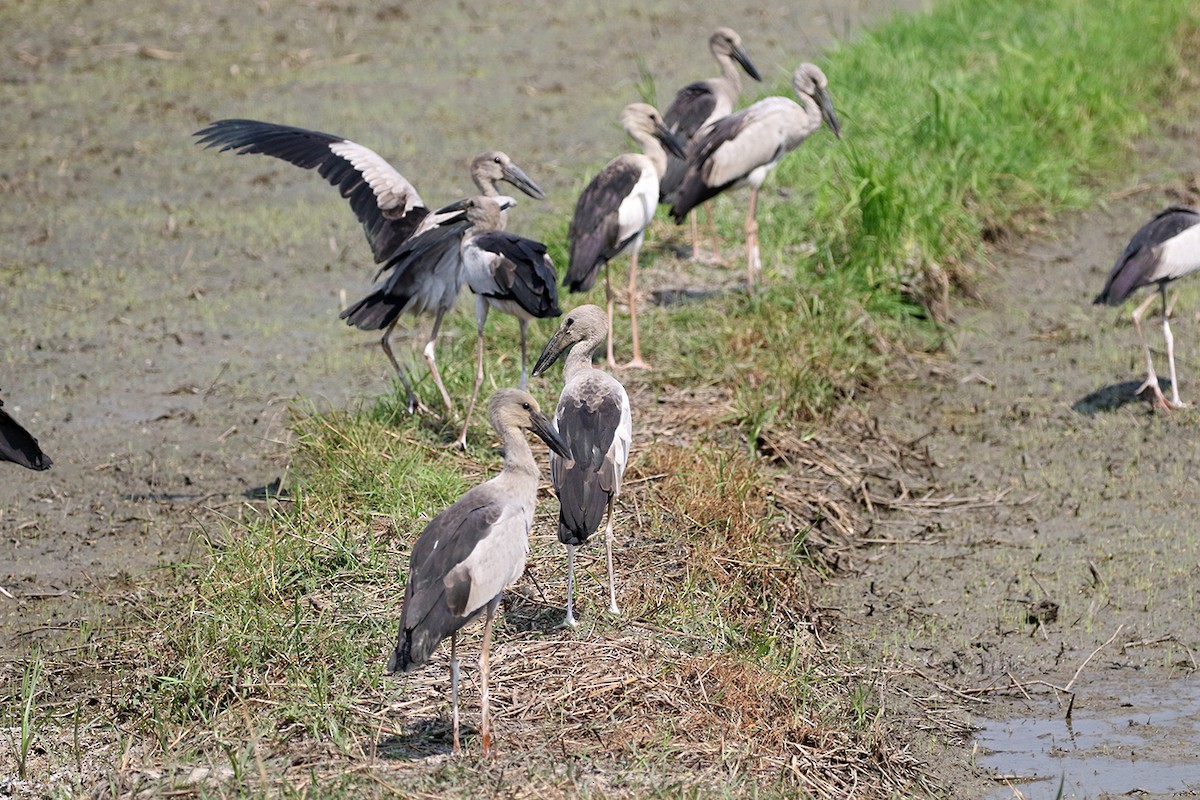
{"type": "Point", "coordinates": [742, 149]}
{"type": "Point", "coordinates": [1164, 249]}
{"type": "Point", "coordinates": [594, 418]}
{"type": "Point", "coordinates": [391, 213]}
{"type": "Point", "coordinates": [467, 555]}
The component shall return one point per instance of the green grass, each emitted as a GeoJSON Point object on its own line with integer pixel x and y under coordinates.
{"type": "Point", "coordinates": [979, 118]}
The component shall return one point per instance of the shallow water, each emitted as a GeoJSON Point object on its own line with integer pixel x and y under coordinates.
{"type": "Point", "coordinates": [1098, 754]}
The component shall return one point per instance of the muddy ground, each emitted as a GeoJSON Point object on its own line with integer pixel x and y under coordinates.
{"type": "Point", "coordinates": [1069, 557]}
{"type": "Point", "coordinates": [161, 308]}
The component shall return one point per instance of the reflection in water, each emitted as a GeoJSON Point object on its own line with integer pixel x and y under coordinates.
{"type": "Point", "coordinates": [1147, 745]}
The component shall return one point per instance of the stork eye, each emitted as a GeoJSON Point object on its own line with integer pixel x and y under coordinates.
{"type": "Point", "coordinates": [526, 406]}
{"type": "Point", "coordinates": [570, 322]}
{"type": "Point", "coordinates": [498, 160]}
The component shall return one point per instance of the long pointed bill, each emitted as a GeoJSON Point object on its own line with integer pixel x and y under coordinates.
{"type": "Point", "coordinates": [514, 175]}
{"type": "Point", "coordinates": [546, 431]}
{"type": "Point", "coordinates": [670, 141]}
{"type": "Point", "coordinates": [739, 55]}
{"type": "Point", "coordinates": [550, 353]}
{"type": "Point", "coordinates": [827, 113]}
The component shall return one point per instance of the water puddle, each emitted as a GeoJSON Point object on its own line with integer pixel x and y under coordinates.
{"type": "Point", "coordinates": [1120, 741]}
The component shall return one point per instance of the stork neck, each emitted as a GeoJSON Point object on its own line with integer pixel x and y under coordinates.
{"type": "Point", "coordinates": [580, 356]}
{"type": "Point", "coordinates": [730, 72]}
{"type": "Point", "coordinates": [518, 456]}
{"type": "Point", "coordinates": [653, 150]}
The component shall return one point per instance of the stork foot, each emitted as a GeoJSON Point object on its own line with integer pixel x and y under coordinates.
{"type": "Point", "coordinates": [568, 623]}
{"type": "Point", "coordinates": [636, 363]}
{"type": "Point", "coordinates": [713, 259]}
{"type": "Point", "coordinates": [1158, 399]}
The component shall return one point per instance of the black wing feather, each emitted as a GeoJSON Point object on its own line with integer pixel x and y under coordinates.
{"type": "Point", "coordinates": [19, 445]}
{"type": "Point", "coordinates": [309, 149]}
{"type": "Point", "coordinates": [586, 483]}
{"type": "Point", "coordinates": [595, 225]}
{"type": "Point", "coordinates": [1136, 265]}
{"type": "Point", "coordinates": [693, 189]}
{"type": "Point", "coordinates": [686, 116]}
{"type": "Point", "coordinates": [524, 273]}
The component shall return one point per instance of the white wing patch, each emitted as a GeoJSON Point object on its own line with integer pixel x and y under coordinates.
{"type": "Point", "coordinates": [392, 190]}
{"type": "Point", "coordinates": [1179, 255]}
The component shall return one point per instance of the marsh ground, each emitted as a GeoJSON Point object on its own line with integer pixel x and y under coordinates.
{"type": "Point", "coordinates": [164, 306]}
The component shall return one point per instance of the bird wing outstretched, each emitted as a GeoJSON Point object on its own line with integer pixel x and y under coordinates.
{"type": "Point", "coordinates": [384, 201]}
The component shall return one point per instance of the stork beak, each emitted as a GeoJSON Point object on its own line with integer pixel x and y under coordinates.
{"type": "Point", "coordinates": [739, 55]}
{"type": "Point", "coordinates": [544, 428]}
{"type": "Point", "coordinates": [550, 353]}
{"type": "Point", "coordinates": [514, 175]}
{"type": "Point", "coordinates": [670, 141]}
{"type": "Point", "coordinates": [827, 113]}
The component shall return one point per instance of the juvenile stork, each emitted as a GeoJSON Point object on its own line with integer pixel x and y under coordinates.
{"type": "Point", "coordinates": [506, 272]}
{"type": "Point", "coordinates": [18, 445]}
{"type": "Point", "coordinates": [467, 555]}
{"type": "Point", "coordinates": [594, 419]}
{"type": "Point", "coordinates": [741, 149]}
{"type": "Point", "coordinates": [613, 211]}
{"type": "Point", "coordinates": [1165, 248]}
{"type": "Point", "coordinates": [697, 106]}
{"type": "Point", "coordinates": [387, 205]}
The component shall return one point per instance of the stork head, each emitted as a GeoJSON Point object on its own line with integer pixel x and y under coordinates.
{"type": "Point", "coordinates": [811, 84]}
{"type": "Point", "coordinates": [483, 212]}
{"type": "Point", "coordinates": [583, 324]}
{"type": "Point", "coordinates": [642, 119]}
{"type": "Point", "coordinates": [513, 409]}
{"type": "Point", "coordinates": [726, 42]}
{"type": "Point", "coordinates": [493, 166]}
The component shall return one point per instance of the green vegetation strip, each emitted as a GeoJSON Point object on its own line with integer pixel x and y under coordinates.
{"type": "Point", "coordinates": [959, 124]}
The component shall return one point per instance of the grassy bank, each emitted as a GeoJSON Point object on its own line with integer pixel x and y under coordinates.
{"type": "Point", "coordinates": [961, 126]}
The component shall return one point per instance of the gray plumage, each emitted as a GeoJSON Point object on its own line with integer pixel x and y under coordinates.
{"type": "Point", "coordinates": [741, 150]}
{"type": "Point", "coordinates": [467, 555]}
{"type": "Point", "coordinates": [18, 445]}
{"type": "Point", "coordinates": [594, 418]}
{"type": "Point", "coordinates": [507, 272]}
{"type": "Point", "coordinates": [614, 209]}
{"type": "Point", "coordinates": [1164, 249]}
{"type": "Point", "coordinates": [426, 275]}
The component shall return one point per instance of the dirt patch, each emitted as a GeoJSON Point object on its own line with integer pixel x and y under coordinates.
{"type": "Point", "coordinates": [1074, 595]}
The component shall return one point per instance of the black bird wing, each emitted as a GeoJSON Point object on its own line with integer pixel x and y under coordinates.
{"type": "Point", "coordinates": [595, 228]}
{"type": "Point", "coordinates": [18, 445]}
{"type": "Point", "coordinates": [691, 108]}
{"type": "Point", "coordinates": [588, 418]}
{"type": "Point", "coordinates": [384, 201]}
{"type": "Point", "coordinates": [1140, 263]}
{"type": "Point", "coordinates": [695, 186]}
{"type": "Point", "coordinates": [521, 271]}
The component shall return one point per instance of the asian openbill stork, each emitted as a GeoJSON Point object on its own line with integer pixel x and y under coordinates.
{"type": "Point", "coordinates": [19, 445]}
{"type": "Point", "coordinates": [507, 272]}
{"type": "Point", "coordinates": [741, 149]}
{"type": "Point", "coordinates": [613, 211]}
{"type": "Point", "coordinates": [467, 555]}
{"type": "Point", "coordinates": [1165, 248]}
{"type": "Point", "coordinates": [387, 205]}
{"type": "Point", "coordinates": [697, 106]}
{"type": "Point", "coordinates": [594, 419]}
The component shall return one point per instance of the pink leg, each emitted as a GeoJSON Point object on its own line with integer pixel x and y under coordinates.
{"type": "Point", "coordinates": [636, 362]}
{"type": "Point", "coordinates": [414, 404]}
{"type": "Point", "coordinates": [1151, 382]}
{"type": "Point", "coordinates": [431, 360]}
{"type": "Point", "coordinates": [753, 265]}
{"type": "Point", "coordinates": [608, 294]}
{"type": "Point", "coordinates": [481, 314]}
{"type": "Point", "coordinates": [484, 670]}
{"type": "Point", "coordinates": [454, 687]}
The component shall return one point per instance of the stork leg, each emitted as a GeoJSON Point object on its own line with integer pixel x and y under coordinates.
{"type": "Point", "coordinates": [414, 404]}
{"type": "Point", "coordinates": [524, 323]}
{"type": "Point", "coordinates": [481, 315]}
{"type": "Point", "coordinates": [696, 254]}
{"type": "Point", "coordinates": [454, 687]}
{"type": "Point", "coordinates": [712, 230]}
{"type": "Point", "coordinates": [570, 620]}
{"type": "Point", "coordinates": [636, 362]}
{"type": "Point", "coordinates": [1152, 377]}
{"type": "Point", "coordinates": [608, 295]}
{"type": "Point", "coordinates": [612, 586]}
{"type": "Point", "coordinates": [753, 265]}
{"type": "Point", "coordinates": [431, 360]}
{"type": "Point", "coordinates": [484, 673]}
{"type": "Point", "coordinates": [1175, 402]}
